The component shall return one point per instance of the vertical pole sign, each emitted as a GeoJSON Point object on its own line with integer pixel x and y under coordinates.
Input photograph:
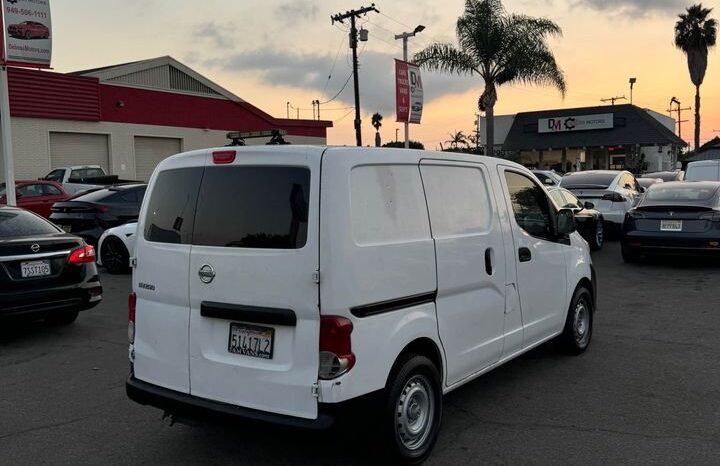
{"type": "Point", "coordinates": [26, 42]}
{"type": "Point", "coordinates": [408, 92]}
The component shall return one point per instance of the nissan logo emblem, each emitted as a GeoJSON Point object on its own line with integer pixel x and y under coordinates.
{"type": "Point", "coordinates": [35, 248]}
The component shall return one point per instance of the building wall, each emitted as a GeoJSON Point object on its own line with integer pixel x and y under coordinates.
{"type": "Point", "coordinates": [31, 142]}
{"type": "Point", "coordinates": [503, 123]}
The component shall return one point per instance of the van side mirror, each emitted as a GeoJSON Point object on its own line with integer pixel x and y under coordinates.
{"type": "Point", "coordinates": [565, 222]}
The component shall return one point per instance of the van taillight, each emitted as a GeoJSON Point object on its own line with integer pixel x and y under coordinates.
{"type": "Point", "coordinates": [336, 356]}
{"type": "Point", "coordinates": [224, 157]}
{"type": "Point", "coordinates": [83, 255]}
{"type": "Point", "coordinates": [132, 302]}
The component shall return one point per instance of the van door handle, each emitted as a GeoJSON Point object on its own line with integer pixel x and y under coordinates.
{"type": "Point", "coordinates": [488, 261]}
{"type": "Point", "coordinates": [524, 255]}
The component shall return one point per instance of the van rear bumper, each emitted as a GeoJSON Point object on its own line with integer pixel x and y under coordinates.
{"type": "Point", "coordinates": [192, 407]}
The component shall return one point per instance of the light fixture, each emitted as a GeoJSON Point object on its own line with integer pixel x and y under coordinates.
{"type": "Point", "coordinates": [420, 28]}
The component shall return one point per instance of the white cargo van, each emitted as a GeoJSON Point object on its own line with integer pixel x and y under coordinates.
{"type": "Point", "coordinates": [703, 170]}
{"type": "Point", "coordinates": [278, 283]}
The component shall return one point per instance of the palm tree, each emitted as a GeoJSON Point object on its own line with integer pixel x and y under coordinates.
{"type": "Point", "coordinates": [457, 138]}
{"type": "Point", "coordinates": [499, 47]}
{"type": "Point", "coordinates": [695, 33]}
{"type": "Point", "coordinates": [377, 123]}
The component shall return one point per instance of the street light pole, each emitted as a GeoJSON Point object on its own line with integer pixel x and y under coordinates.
{"type": "Point", "coordinates": [404, 36]}
{"type": "Point", "coordinates": [632, 84]}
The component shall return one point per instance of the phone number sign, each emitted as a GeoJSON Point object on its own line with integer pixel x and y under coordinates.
{"type": "Point", "coordinates": [27, 36]}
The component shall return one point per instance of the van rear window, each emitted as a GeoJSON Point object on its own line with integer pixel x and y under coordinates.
{"type": "Point", "coordinates": [253, 207]}
{"type": "Point", "coordinates": [171, 211]}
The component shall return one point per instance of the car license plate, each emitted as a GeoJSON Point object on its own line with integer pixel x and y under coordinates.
{"type": "Point", "coordinates": [35, 269]}
{"type": "Point", "coordinates": [670, 225]}
{"type": "Point", "coordinates": [250, 340]}
{"type": "Point", "coordinates": [66, 228]}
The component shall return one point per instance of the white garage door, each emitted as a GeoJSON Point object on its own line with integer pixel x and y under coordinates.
{"type": "Point", "coordinates": [150, 151]}
{"type": "Point", "coordinates": [67, 149]}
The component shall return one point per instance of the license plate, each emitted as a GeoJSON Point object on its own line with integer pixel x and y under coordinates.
{"type": "Point", "coordinates": [250, 340]}
{"type": "Point", "coordinates": [66, 228]}
{"type": "Point", "coordinates": [670, 225]}
{"type": "Point", "coordinates": [35, 269]}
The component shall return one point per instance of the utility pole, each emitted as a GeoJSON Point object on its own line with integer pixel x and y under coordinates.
{"type": "Point", "coordinates": [313, 104]}
{"type": "Point", "coordinates": [613, 99]}
{"type": "Point", "coordinates": [317, 102]}
{"type": "Point", "coordinates": [679, 111]}
{"type": "Point", "coordinates": [404, 36]}
{"type": "Point", "coordinates": [353, 15]}
{"type": "Point", "coordinates": [632, 84]}
{"type": "Point", "coordinates": [288, 110]}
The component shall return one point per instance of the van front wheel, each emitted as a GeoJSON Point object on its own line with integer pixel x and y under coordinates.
{"type": "Point", "coordinates": [579, 323]}
{"type": "Point", "coordinates": [413, 409]}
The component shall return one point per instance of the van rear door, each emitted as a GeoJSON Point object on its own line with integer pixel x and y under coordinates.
{"type": "Point", "coordinates": [160, 278]}
{"type": "Point", "coordinates": [254, 314]}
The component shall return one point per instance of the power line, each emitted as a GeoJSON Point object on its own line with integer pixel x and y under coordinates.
{"type": "Point", "coordinates": [332, 69]}
{"type": "Point", "coordinates": [340, 91]}
{"type": "Point", "coordinates": [344, 116]}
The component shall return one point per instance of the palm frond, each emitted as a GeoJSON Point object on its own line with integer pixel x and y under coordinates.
{"type": "Point", "coordinates": [446, 58]}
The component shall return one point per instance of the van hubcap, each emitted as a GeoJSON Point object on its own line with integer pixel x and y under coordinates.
{"type": "Point", "coordinates": [415, 412]}
{"type": "Point", "coordinates": [582, 323]}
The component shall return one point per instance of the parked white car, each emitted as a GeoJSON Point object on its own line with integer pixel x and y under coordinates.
{"type": "Point", "coordinates": [259, 295]}
{"type": "Point", "coordinates": [116, 246]}
{"type": "Point", "coordinates": [612, 192]}
{"type": "Point", "coordinates": [703, 170]}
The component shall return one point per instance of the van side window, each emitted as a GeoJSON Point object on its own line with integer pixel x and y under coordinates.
{"type": "Point", "coordinates": [387, 204]}
{"type": "Point", "coordinates": [530, 205]}
{"type": "Point", "coordinates": [458, 200]}
{"type": "Point", "coordinates": [171, 212]}
{"type": "Point", "coordinates": [253, 207]}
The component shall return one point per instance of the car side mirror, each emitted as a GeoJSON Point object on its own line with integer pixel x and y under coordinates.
{"type": "Point", "coordinates": [565, 222]}
{"type": "Point", "coordinates": [589, 205]}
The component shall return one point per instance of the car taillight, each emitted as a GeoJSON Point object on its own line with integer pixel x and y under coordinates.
{"type": "Point", "coordinates": [336, 356]}
{"type": "Point", "coordinates": [223, 157]}
{"type": "Point", "coordinates": [132, 302]}
{"type": "Point", "coordinates": [102, 209]}
{"type": "Point", "coordinates": [82, 255]}
{"type": "Point", "coordinates": [711, 216]}
{"type": "Point", "coordinates": [613, 197]}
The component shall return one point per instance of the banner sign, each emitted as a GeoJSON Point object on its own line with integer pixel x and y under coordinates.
{"type": "Point", "coordinates": [27, 33]}
{"type": "Point", "coordinates": [408, 92]}
{"type": "Point", "coordinates": [576, 123]}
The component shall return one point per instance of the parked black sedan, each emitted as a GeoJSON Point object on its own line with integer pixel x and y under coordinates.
{"type": "Point", "coordinates": [44, 272]}
{"type": "Point", "coordinates": [675, 218]}
{"type": "Point", "coordinates": [88, 215]}
{"type": "Point", "coordinates": [589, 221]}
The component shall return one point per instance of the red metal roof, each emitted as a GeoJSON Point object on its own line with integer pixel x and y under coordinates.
{"type": "Point", "coordinates": [42, 94]}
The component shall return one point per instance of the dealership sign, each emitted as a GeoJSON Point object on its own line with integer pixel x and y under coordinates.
{"type": "Point", "coordinates": [27, 33]}
{"type": "Point", "coordinates": [408, 92]}
{"type": "Point", "coordinates": [576, 123]}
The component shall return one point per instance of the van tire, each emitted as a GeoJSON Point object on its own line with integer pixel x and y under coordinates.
{"type": "Point", "coordinates": [578, 329]}
{"type": "Point", "coordinates": [414, 383]}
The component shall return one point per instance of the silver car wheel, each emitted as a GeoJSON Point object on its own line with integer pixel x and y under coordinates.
{"type": "Point", "coordinates": [415, 410]}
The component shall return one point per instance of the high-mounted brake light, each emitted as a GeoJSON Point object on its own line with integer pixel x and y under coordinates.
{"type": "Point", "coordinates": [336, 356]}
{"type": "Point", "coordinates": [83, 255]}
{"type": "Point", "coordinates": [223, 157]}
{"type": "Point", "coordinates": [132, 301]}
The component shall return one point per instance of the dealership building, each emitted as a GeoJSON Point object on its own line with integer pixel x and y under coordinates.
{"type": "Point", "coordinates": [605, 137]}
{"type": "Point", "coordinates": [128, 117]}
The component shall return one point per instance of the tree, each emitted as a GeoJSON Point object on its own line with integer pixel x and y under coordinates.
{"type": "Point", "coordinates": [695, 33]}
{"type": "Point", "coordinates": [401, 145]}
{"type": "Point", "coordinates": [377, 123]}
{"type": "Point", "coordinates": [499, 47]}
{"type": "Point", "coordinates": [457, 138]}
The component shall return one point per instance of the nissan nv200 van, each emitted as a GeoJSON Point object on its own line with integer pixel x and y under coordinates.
{"type": "Point", "coordinates": [278, 283]}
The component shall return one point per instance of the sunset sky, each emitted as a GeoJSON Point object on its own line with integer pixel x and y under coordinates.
{"type": "Point", "coordinates": [273, 51]}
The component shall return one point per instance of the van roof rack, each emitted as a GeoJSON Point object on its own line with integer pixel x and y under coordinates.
{"type": "Point", "coordinates": [237, 138]}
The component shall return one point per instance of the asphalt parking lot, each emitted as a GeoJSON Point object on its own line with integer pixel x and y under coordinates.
{"type": "Point", "coordinates": [646, 392]}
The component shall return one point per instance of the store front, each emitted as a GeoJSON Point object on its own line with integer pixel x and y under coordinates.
{"type": "Point", "coordinates": [600, 138]}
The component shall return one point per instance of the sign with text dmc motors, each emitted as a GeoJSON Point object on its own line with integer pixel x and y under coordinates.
{"type": "Point", "coordinates": [576, 123]}
{"type": "Point", "coordinates": [408, 92]}
{"type": "Point", "coordinates": [27, 33]}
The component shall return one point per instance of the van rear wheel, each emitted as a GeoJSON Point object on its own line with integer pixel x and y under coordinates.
{"type": "Point", "coordinates": [413, 409]}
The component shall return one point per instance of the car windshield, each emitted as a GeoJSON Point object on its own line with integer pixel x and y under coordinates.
{"type": "Point", "coordinates": [681, 192]}
{"type": "Point", "coordinates": [588, 180]}
{"type": "Point", "coordinates": [16, 223]}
